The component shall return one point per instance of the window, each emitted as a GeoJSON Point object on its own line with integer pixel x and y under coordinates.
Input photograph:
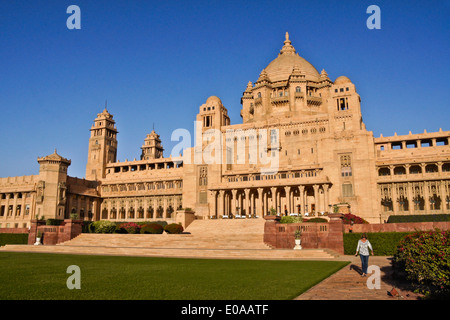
{"type": "Point", "coordinates": [346, 166]}
{"type": "Point", "coordinates": [298, 89]}
{"type": "Point", "coordinates": [347, 190]}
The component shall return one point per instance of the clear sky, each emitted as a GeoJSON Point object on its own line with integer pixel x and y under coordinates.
{"type": "Point", "coordinates": [158, 61]}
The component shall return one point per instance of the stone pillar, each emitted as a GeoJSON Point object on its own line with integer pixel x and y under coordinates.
{"type": "Point", "coordinates": [273, 190]}
{"type": "Point", "coordinates": [214, 204]}
{"type": "Point", "coordinates": [394, 198]}
{"type": "Point", "coordinates": [326, 197]}
{"type": "Point", "coordinates": [442, 196]}
{"type": "Point", "coordinates": [410, 198]}
{"type": "Point", "coordinates": [302, 199]}
{"type": "Point", "coordinates": [287, 190]}
{"type": "Point", "coordinates": [221, 205]}
{"type": "Point", "coordinates": [165, 207]}
{"type": "Point", "coordinates": [247, 202]}
{"type": "Point", "coordinates": [233, 202]}
{"type": "Point", "coordinates": [316, 198]}
{"type": "Point", "coordinates": [13, 214]}
{"type": "Point", "coordinates": [259, 209]}
{"type": "Point", "coordinates": [426, 196]}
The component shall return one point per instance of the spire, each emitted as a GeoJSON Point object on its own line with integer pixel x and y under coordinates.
{"type": "Point", "coordinates": [287, 48]}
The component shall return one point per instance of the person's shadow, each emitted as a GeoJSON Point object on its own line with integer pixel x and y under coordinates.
{"type": "Point", "coordinates": [356, 268]}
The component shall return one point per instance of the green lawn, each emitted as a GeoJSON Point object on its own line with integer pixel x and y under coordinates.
{"type": "Point", "coordinates": [35, 276]}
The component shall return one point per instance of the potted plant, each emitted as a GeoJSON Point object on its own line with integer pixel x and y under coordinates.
{"type": "Point", "coordinates": [298, 239]}
{"type": "Point", "coordinates": [38, 238]}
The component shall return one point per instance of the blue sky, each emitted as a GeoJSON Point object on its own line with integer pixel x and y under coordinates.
{"type": "Point", "coordinates": [158, 61]}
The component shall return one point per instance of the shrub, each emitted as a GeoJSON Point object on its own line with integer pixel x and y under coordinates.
{"type": "Point", "coordinates": [53, 222]}
{"type": "Point", "coordinates": [320, 220]}
{"type": "Point", "coordinates": [424, 257]}
{"type": "Point", "coordinates": [152, 228]}
{"type": "Point", "coordinates": [174, 228]}
{"type": "Point", "coordinates": [418, 218]}
{"type": "Point", "coordinates": [290, 219]}
{"type": "Point", "coordinates": [348, 218]}
{"type": "Point", "coordinates": [102, 226]}
{"type": "Point", "coordinates": [129, 227]}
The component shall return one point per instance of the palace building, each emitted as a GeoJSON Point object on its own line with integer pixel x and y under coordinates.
{"type": "Point", "coordinates": [302, 147]}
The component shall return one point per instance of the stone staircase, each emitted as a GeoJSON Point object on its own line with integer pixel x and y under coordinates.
{"type": "Point", "coordinates": [233, 239]}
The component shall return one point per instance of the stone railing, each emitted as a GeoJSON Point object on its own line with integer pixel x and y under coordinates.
{"type": "Point", "coordinates": [314, 235]}
{"type": "Point", "coordinates": [52, 235]}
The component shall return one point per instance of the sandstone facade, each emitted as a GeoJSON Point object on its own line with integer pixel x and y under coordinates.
{"type": "Point", "coordinates": [302, 147]}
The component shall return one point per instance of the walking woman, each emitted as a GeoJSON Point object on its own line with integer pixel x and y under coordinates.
{"type": "Point", "coordinates": [363, 249]}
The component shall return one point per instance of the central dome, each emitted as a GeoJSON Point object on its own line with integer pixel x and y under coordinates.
{"type": "Point", "coordinates": [281, 67]}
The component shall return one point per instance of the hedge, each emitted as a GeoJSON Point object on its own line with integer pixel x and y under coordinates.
{"type": "Point", "coordinates": [383, 243]}
{"type": "Point", "coordinates": [152, 228]}
{"type": "Point", "coordinates": [174, 228]}
{"type": "Point", "coordinates": [13, 238]}
{"type": "Point", "coordinates": [419, 218]}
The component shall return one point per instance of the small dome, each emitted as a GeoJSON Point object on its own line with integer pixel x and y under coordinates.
{"type": "Point", "coordinates": [213, 100]}
{"type": "Point", "coordinates": [342, 80]}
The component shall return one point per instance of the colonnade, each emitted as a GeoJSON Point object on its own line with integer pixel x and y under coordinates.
{"type": "Point", "coordinates": [260, 201]}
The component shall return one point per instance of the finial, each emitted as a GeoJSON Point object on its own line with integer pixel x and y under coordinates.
{"type": "Point", "coordinates": [287, 48]}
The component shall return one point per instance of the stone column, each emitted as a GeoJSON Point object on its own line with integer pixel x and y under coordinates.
{"type": "Point", "coordinates": [426, 196]}
{"type": "Point", "coordinates": [409, 194]}
{"type": "Point", "coordinates": [233, 202]}
{"type": "Point", "coordinates": [302, 199]}
{"type": "Point", "coordinates": [165, 207]}
{"type": "Point", "coordinates": [394, 198]}
{"type": "Point", "coordinates": [247, 202]}
{"type": "Point", "coordinates": [214, 203]}
{"type": "Point", "coordinates": [316, 198]}
{"type": "Point", "coordinates": [326, 197]}
{"type": "Point", "coordinates": [13, 213]}
{"type": "Point", "coordinates": [442, 195]}
{"type": "Point", "coordinates": [287, 190]}
{"type": "Point", "coordinates": [273, 190]}
{"type": "Point", "coordinates": [221, 205]}
{"type": "Point", "coordinates": [259, 209]}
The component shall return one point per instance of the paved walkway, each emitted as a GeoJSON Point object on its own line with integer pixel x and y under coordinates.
{"type": "Point", "coordinates": [347, 284]}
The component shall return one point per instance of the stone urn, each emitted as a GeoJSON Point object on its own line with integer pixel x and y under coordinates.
{"type": "Point", "coordinates": [298, 244]}
{"type": "Point", "coordinates": [298, 239]}
{"type": "Point", "coordinates": [38, 242]}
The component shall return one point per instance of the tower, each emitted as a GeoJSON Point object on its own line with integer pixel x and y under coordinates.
{"type": "Point", "coordinates": [51, 187]}
{"type": "Point", "coordinates": [152, 148]}
{"type": "Point", "coordinates": [102, 146]}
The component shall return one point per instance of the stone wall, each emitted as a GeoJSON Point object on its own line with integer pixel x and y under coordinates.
{"type": "Point", "coordinates": [314, 235]}
{"type": "Point", "coordinates": [397, 227]}
{"type": "Point", "coordinates": [52, 235]}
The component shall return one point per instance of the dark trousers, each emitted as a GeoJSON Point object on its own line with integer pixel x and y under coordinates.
{"type": "Point", "coordinates": [364, 263]}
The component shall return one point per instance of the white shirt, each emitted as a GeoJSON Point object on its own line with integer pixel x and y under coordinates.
{"type": "Point", "coordinates": [363, 247]}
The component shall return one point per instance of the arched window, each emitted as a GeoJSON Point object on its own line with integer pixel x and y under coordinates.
{"type": "Point", "coordinates": [298, 89]}
{"type": "Point", "coordinates": [399, 170]}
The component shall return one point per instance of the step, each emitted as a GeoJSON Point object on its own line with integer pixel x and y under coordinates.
{"type": "Point", "coordinates": [259, 254]}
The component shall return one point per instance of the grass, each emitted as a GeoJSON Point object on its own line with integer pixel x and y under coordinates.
{"type": "Point", "coordinates": [40, 276]}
